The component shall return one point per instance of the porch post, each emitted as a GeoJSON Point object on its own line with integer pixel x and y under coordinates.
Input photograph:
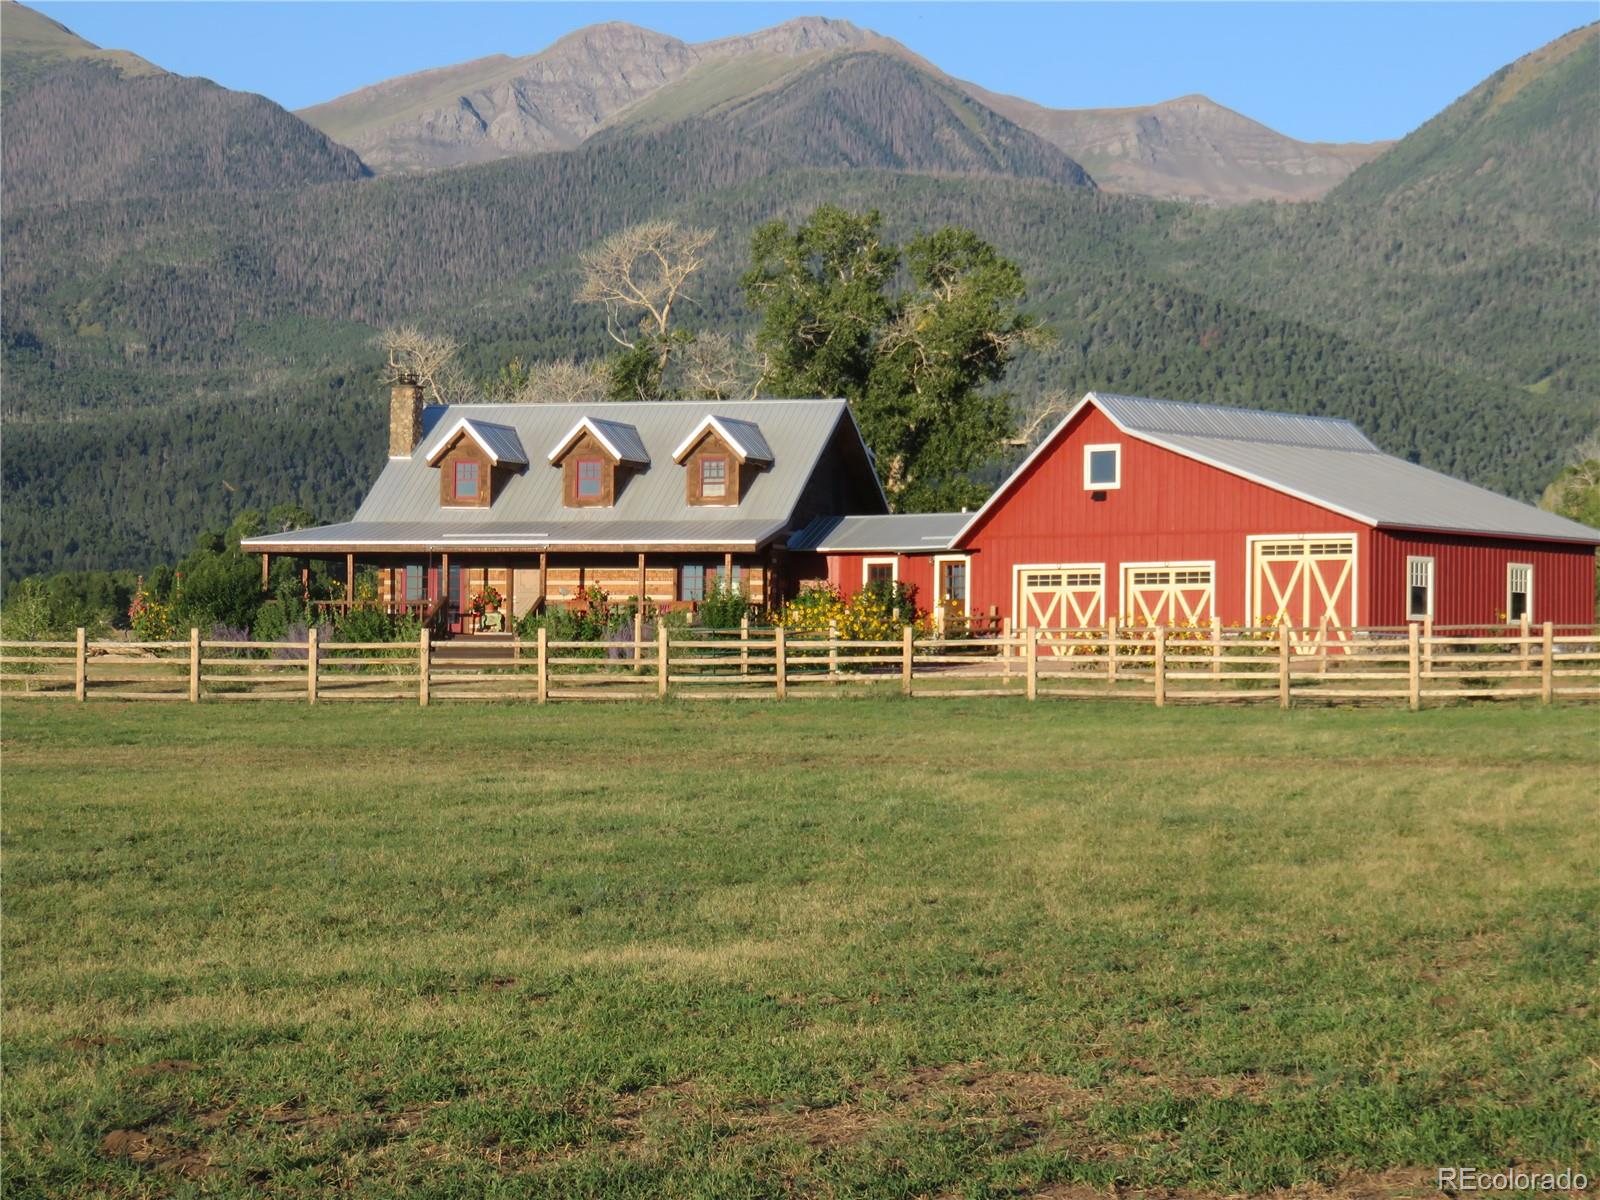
{"type": "Point", "coordinates": [510, 601]}
{"type": "Point", "coordinates": [643, 582]}
{"type": "Point", "coordinates": [544, 562]}
{"type": "Point", "coordinates": [727, 570]}
{"type": "Point", "coordinates": [349, 580]}
{"type": "Point", "coordinates": [264, 570]}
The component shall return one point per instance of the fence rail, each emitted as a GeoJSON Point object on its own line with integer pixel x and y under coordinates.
{"type": "Point", "coordinates": [1410, 665]}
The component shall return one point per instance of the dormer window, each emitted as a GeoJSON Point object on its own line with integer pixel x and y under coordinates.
{"type": "Point", "coordinates": [591, 478]}
{"type": "Point", "coordinates": [714, 476]}
{"type": "Point", "coordinates": [722, 457]}
{"type": "Point", "coordinates": [597, 458]}
{"type": "Point", "coordinates": [474, 459]}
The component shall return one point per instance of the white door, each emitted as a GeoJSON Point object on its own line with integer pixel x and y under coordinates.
{"type": "Point", "coordinates": [1168, 594]}
{"type": "Point", "coordinates": [1054, 598]}
{"type": "Point", "coordinates": [1305, 583]}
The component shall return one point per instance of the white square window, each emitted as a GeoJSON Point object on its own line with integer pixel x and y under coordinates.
{"type": "Point", "coordinates": [1419, 588]}
{"type": "Point", "coordinates": [1519, 592]}
{"type": "Point", "coordinates": [1102, 467]}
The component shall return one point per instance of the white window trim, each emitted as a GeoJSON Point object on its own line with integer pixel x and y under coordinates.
{"type": "Point", "coordinates": [938, 578]}
{"type": "Point", "coordinates": [1433, 586]}
{"type": "Point", "coordinates": [868, 563]}
{"type": "Point", "coordinates": [1088, 453]}
{"type": "Point", "coordinates": [1020, 569]}
{"type": "Point", "coordinates": [1123, 569]}
{"type": "Point", "coordinates": [1250, 597]}
{"type": "Point", "coordinates": [1528, 567]}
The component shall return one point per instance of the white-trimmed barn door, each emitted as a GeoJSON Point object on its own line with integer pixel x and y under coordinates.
{"type": "Point", "coordinates": [1168, 594]}
{"type": "Point", "coordinates": [1306, 583]}
{"type": "Point", "coordinates": [1056, 597]}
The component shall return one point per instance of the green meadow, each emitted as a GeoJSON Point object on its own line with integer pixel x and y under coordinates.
{"type": "Point", "coordinates": [841, 948]}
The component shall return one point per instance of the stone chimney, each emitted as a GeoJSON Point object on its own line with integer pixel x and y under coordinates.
{"type": "Point", "coordinates": [405, 416]}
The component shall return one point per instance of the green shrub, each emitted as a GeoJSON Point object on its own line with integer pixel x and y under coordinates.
{"type": "Point", "coordinates": [724, 606]}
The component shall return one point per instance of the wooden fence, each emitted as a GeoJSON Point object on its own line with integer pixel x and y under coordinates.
{"type": "Point", "coordinates": [1408, 665]}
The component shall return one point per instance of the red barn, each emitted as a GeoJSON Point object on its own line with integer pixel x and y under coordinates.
{"type": "Point", "coordinates": [1157, 512]}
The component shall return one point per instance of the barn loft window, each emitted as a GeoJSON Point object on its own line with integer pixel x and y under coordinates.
{"type": "Point", "coordinates": [1519, 591]}
{"type": "Point", "coordinates": [879, 570]}
{"type": "Point", "coordinates": [1419, 588]}
{"type": "Point", "coordinates": [466, 481]}
{"type": "Point", "coordinates": [1102, 467]}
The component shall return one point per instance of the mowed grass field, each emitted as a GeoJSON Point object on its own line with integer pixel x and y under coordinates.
{"type": "Point", "coordinates": [831, 948]}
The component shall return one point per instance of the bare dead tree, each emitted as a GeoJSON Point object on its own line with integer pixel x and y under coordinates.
{"type": "Point", "coordinates": [564, 381]}
{"type": "Point", "coordinates": [426, 359]}
{"type": "Point", "coordinates": [1038, 416]}
{"type": "Point", "coordinates": [641, 273]}
{"type": "Point", "coordinates": [715, 367]}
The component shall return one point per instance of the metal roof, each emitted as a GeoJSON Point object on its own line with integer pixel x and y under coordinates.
{"type": "Point", "coordinates": [1322, 460]}
{"type": "Point", "coordinates": [905, 532]}
{"type": "Point", "coordinates": [521, 535]}
{"type": "Point", "coordinates": [499, 442]}
{"type": "Point", "coordinates": [744, 437]}
{"type": "Point", "coordinates": [620, 439]}
{"type": "Point", "coordinates": [652, 505]}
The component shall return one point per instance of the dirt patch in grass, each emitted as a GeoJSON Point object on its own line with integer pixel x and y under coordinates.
{"type": "Point", "coordinates": [165, 1066]}
{"type": "Point", "coordinates": [155, 1150]}
{"type": "Point", "coordinates": [1399, 1183]}
{"type": "Point", "coordinates": [90, 1042]}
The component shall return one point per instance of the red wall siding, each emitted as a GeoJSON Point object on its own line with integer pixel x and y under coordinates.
{"type": "Point", "coordinates": [1168, 509]}
{"type": "Point", "coordinates": [845, 570]}
{"type": "Point", "coordinates": [1470, 578]}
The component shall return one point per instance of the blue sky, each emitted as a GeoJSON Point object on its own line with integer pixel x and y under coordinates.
{"type": "Point", "coordinates": [1334, 72]}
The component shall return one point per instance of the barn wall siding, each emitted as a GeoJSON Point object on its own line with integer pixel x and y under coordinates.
{"type": "Point", "coordinates": [1168, 509]}
{"type": "Point", "coordinates": [1470, 578]}
{"type": "Point", "coordinates": [915, 570]}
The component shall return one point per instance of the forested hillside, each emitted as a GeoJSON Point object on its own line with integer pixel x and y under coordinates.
{"type": "Point", "coordinates": [172, 358]}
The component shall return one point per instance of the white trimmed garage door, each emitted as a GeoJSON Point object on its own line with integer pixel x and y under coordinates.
{"type": "Point", "coordinates": [1304, 582]}
{"type": "Point", "coordinates": [1168, 594]}
{"type": "Point", "coordinates": [1060, 597]}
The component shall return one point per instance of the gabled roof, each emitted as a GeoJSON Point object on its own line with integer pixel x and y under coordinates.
{"type": "Point", "coordinates": [620, 440]}
{"type": "Point", "coordinates": [402, 509]}
{"type": "Point", "coordinates": [499, 442]}
{"type": "Point", "coordinates": [743, 438]}
{"type": "Point", "coordinates": [909, 533]}
{"type": "Point", "coordinates": [1321, 460]}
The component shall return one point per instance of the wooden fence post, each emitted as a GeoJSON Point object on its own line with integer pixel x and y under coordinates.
{"type": "Point", "coordinates": [80, 666]}
{"type": "Point", "coordinates": [1216, 645]}
{"type": "Point", "coordinates": [1285, 648]}
{"type": "Point", "coordinates": [906, 637]}
{"type": "Point", "coordinates": [542, 664]}
{"type": "Point", "coordinates": [1161, 666]}
{"type": "Point", "coordinates": [833, 648]}
{"type": "Point", "coordinates": [1006, 648]}
{"type": "Point", "coordinates": [1413, 669]}
{"type": "Point", "coordinates": [1111, 649]}
{"type": "Point", "coordinates": [1031, 650]}
{"type": "Point", "coordinates": [780, 663]}
{"type": "Point", "coordinates": [311, 665]}
{"type": "Point", "coordinates": [1547, 665]}
{"type": "Point", "coordinates": [194, 666]}
{"type": "Point", "coordinates": [938, 620]}
{"type": "Point", "coordinates": [662, 657]}
{"type": "Point", "coordinates": [1526, 646]}
{"type": "Point", "coordinates": [424, 668]}
{"type": "Point", "coordinates": [1322, 649]}
{"type": "Point", "coordinates": [744, 644]}
{"type": "Point", "coordinates": [638, 639]}
{"type": "Point", "coordinates": [1427, 646]}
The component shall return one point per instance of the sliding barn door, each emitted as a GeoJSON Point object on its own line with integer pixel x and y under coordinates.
{"type": "Point", "coordinates": [1305, 583]}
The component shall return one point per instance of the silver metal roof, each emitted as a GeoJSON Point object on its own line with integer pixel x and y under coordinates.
{"type": "Point", "coordinates": [652, 506]}
{"type": "Point", "coordinates": [905, 532]}
{"type": "Point", "coordinates": [1322, 460]}
{"type": "Point", "coordinates": [743, 436]}
{"type": "Point", "coordinates": [499, 442]}
{"type": "Point", "coordinates": [521, 535]}
{"type": "Point", "coordinates": [620, 438]}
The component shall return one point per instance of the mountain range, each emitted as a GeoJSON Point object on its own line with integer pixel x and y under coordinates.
{"type": "Point", "coordinates": [621, 76]}
{"type": "Point", "coordinates": [191, 275]}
